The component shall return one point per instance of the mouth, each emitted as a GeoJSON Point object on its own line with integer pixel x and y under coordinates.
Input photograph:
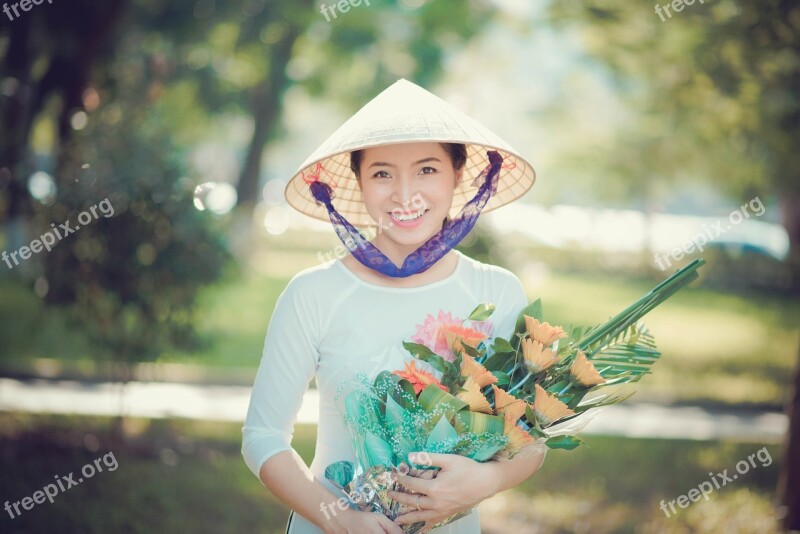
{"type": "Point", "coordinates": [407, 217]}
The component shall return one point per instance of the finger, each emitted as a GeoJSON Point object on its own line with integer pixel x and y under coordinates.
{"type": "Point", "coordinates": [388, 525]}
{"type": "Point", "coordinates": [408, 499]}
{"type": "Point", "coordinates": [427, 474]}
{"type": "Point", "coordinates": [420, 485]}
{"type": "Point", "coordinates": [431, 459]}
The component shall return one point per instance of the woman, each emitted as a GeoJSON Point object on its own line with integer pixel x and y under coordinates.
{"type": "Point", "coordinates": [421, 171]}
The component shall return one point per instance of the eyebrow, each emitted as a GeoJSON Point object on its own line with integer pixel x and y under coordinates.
{"type": "Point", "coordinates": [386, 164]}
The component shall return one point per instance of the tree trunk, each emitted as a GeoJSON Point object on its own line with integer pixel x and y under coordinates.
{"type": "Point", "coordinates": [789, 483]}
{"type": "Point", "coordinates": [267, 102]}
{"type": "Point", "coordinates": [17, 117]}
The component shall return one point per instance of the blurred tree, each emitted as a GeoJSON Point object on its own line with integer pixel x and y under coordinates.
{"type": "Point", "coordinates": [715, 88]}
{"type": "Point", "coordinates": [130, 279]}
{"type": "Point", "coordinates": [242, 57]}
{"type": "Point", "coordinates": [346, 59]}
{"type": "Point", "coordinates": [43, 58]}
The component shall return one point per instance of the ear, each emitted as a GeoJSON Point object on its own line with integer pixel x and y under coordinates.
{"type": "Point", "coordinates": [459, 176]}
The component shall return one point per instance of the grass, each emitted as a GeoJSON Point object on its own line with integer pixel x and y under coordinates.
{"type": "Point", "coordinates": [187, 476]}
{"type": "Point", "coordinates": [717, 348]}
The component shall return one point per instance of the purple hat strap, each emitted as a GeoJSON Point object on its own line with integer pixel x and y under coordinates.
{"type": "Point", "coordinates": [429, 252]}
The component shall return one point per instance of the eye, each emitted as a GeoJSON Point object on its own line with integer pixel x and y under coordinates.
{"type": "Point", "coordinates": [431, 169]}
{"type": "Point", "coordinates": [381, 174]}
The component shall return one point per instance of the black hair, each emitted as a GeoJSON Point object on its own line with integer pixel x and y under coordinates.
{"type": "Point", "coordinates": [456, 151]}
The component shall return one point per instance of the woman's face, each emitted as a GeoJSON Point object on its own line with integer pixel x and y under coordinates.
{"type": "Point", "coordinates": [408, 189]}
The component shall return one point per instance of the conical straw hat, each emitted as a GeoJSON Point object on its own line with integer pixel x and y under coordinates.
{"type": "Point", "coordinates": [405, 113]}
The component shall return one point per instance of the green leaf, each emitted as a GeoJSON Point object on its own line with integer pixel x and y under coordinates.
{"type": "Point", "coordinates": [440, 364]}
{"type": "Point", "coordinates": [378, 451]}
{"type": "Point", "coordinates": [534, 309]}
{"type": "Point", "coordinates": [502, 378]}
{"type": "Point", "coordinates": [479, 423]}
{"type": "Point", "coordinates": [472, 351]}
{"type": "Point", "coordinates": [530, 415]}
{"type": "Point", "coordinates": [417, 349]}
{"type": "Point", "coordinates": [482, 312]}
{"type": "Point", "coordinates": [432, 396]}
{"type": "Point", "coordinates": [442, 431]}
{"type": "Point", "coordinates": [384, 376]}
{"type": "Point", "coordinates": [402, 391]}
{"type": "Point", "coordinates": [535, 432]}
{"type": "Point", "coordinates": [394, 415]}
{"type": "Point", "coordinates": [499, 361]}
{"type": "Point", "coordinates": [405, 446]}
{"type": "Point", "coordinates": [564, 442]}
{"type": "Point", "coordinates": [629, 354]}
{"type": "Point", "coordinates": [485, 452]}
{"type": "Point", "coordinates": [608, 331]}
{"type": "Point", "coordinates": [501, 345]}
{"type": "Point", "coordinates": [361, 408]}
{"type": "Point", "coordinates": [558, 386]}
{"type": "Point", "coordinates": [575, 398]}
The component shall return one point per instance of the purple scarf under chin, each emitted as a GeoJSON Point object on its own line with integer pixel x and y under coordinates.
{"type": "Point", "coordinates": [429, 252]}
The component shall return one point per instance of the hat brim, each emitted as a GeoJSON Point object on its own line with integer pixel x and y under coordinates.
{"type": "Point", "coordinates": [405, 113]}
{"type": "Point", "coordinates": [516, 177]}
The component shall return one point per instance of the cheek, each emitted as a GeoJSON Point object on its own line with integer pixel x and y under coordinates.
{"type": "Point", "coordinates": [444, 189]}
{"type": "Point", "coordinates": [373, 199]}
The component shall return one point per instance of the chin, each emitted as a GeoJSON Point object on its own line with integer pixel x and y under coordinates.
{"type": "Point", "coordinates": [416, 237]}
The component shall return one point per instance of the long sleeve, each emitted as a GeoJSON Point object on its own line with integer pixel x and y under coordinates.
{"type": "Point", "coordinates": [288, 362]}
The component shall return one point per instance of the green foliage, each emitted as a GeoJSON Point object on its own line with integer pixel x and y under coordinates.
{"type": "Point", "coordinates": [532, 309]}
{"type": "Point", "coordinates": [482, 312]}
{"type": "Point", "coordinates": [131, 279]}
{"type": "Point", "coordinates": [712, 90]}
{"type": "Point", "coordinates": [563, 442]}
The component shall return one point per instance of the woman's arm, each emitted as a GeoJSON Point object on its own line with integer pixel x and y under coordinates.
{"type": "Point", "coordinates": [288, 363]}
{"type": "Point", "coordinates": [506, 474]}
{"type": "Point", "coordinates": [287, 476]}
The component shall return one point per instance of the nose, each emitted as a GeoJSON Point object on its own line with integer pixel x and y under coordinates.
{"type": "Point", "coordinates": [403, 192]}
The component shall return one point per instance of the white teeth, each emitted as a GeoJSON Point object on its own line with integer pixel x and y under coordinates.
{"type": "Point", "coordinates": [407, 217]}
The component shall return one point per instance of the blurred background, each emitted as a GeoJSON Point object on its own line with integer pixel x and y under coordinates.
{"type": "Point", "coordinates": [658, 136]}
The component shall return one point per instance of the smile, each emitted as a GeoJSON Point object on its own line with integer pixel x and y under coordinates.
{"type": "Point", "coordinates": [409, 217]}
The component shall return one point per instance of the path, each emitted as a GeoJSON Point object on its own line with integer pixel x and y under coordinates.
{"type": "Point", "coordinates": [229, 403]}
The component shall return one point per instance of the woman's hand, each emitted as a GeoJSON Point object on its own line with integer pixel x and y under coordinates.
{"type": "Point", "coordinates": [460, 484]}
{"type": "Point", "coordinates": [352, 521]}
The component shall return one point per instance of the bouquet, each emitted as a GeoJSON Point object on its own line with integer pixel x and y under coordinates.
{"type": "Point", "coordinates": [489, 399]}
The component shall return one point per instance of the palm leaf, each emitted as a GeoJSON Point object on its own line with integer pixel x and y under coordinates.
{"type": "Point", "coordinates": [631, 351]}
{"type": "Point", "coordinates": [633, 313]}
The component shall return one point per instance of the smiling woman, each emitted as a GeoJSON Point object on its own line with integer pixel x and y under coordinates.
{"type": "Point", "coordinates": [407, 161]}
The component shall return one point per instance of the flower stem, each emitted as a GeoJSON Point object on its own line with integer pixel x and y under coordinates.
{"type": "Point", "coordinates": [520, 383]}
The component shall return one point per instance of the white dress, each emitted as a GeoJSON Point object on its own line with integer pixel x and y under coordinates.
{"type": "Point", "coordinates": [330, 324]}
